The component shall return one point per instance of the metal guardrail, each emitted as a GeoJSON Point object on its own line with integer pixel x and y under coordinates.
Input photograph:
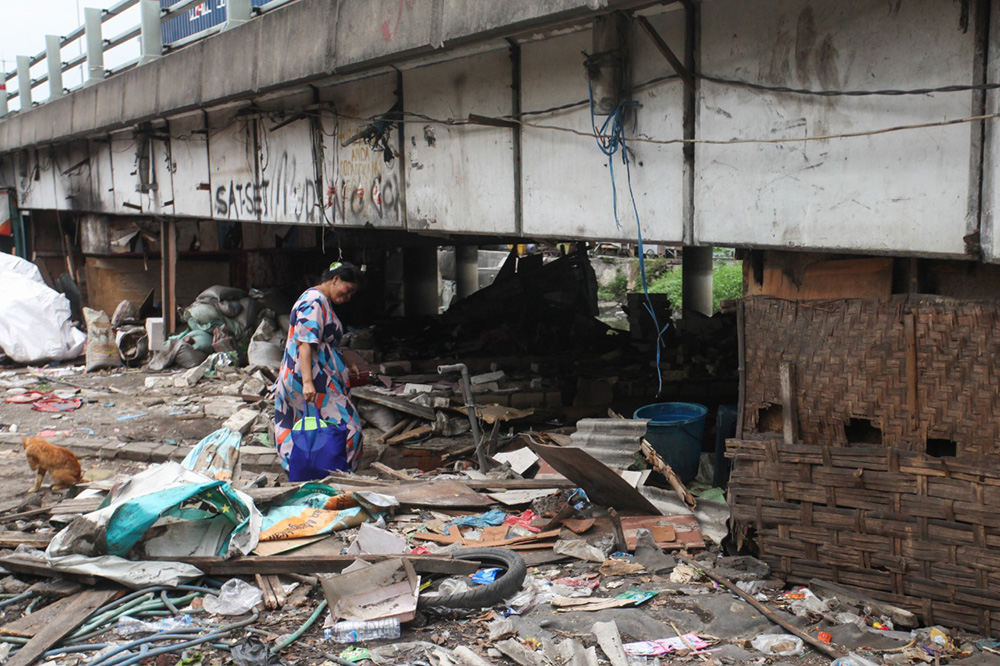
{"type": "Point", "coordinates": [149, 32]}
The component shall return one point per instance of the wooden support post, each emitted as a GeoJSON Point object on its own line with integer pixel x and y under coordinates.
{"type": "Point", "coordinates": [789, 414]}
{"type": "Point", "coordinates": [168, 274]}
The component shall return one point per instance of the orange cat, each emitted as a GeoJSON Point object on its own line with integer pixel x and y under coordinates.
{"type": "Point", "coordinates": [58, 461]}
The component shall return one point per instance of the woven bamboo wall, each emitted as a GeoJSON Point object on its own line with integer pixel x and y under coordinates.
{"type": "Point", "coordinates": [918, 369]}
{"type": "Point", "coordinates": [918, 531]}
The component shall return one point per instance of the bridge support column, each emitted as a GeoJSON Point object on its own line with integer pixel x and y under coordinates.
{"type": "Point", "coordinates": [420, 281]}
{"type": "Point", "coordinates": [696, 280]}
{"type": "Point", "coordinates": [24, 81]}
{"type": "Point", "coordinates": [466, 270]}
{"type": "Point", "coordinates": [95, 45]}
{"type": "Point", "coordinates": [152, 32]}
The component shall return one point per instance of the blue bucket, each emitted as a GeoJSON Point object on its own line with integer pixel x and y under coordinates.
{"type": "Point", "coordinates": [675, 431]}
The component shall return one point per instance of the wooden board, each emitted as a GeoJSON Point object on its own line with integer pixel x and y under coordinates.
{"type": "Point", "coordinates": [803, 279]}
{"type": "Point", "coordinates": [284, 564]}
{"type": "Point", "coordinates": [602, 484]}
{"type": "Point", "coordinates": [393, 402]}
{"type": "Point", "coordinates": [29, 625]}
{"type": "Point", "coordinates": [71, 616]}
{"type": "Point", "coordinates": [15, 539]}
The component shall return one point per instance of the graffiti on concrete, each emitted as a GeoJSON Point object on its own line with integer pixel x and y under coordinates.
{"type": "Point", "coordinates": [287, 194]}
{"type": "Point", "coordinates": [364, 189]}
{"type": "Point", "coordinates": [390, 26]}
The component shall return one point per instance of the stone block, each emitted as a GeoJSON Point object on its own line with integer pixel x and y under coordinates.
{"type": "Point", "coordinates": [222, 408]}
{"type": "Point", "coordinates": [162, 453]}
{"type": "Point", "coordinates": [140, 451]}
{"type": "Point", "coordinates": [242, 420]}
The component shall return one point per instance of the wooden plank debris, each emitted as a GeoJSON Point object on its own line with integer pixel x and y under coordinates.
{"type": "Point", "coordinates": [392, 402]}
{"type": "Point", "coordinates": [768, 613]}
{"type": "Point", "coordinates": [658, 464]}
{"type": "Point", "coordinates": [410, 435]}
{"type": "Point", "coordinates": [284, 564]}
{"type": "Point", "coordinates": [71, 616]}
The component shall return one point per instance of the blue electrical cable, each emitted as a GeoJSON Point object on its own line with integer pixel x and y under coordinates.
{"type": "Point", "coordinates": [610, 142]}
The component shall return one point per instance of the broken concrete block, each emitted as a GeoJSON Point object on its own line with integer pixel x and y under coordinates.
{"type": "Point", "coordinates": [395, 368]}
{"type": "Point", "coordinates": [222, 408]}
{"type": "Point", "coordinates": [242, 420]}
{"type": "Point", "coordinates": [190, 377]}
{"type": "Point", "coordinates": [158, 382]}
{"type": "Point", "coordinates": [485, 388]}
{"type": "Point", "coordinates": [486, 377]}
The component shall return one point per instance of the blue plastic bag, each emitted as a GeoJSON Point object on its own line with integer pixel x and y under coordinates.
{"type": "Point", "coordinates": [318, 448]}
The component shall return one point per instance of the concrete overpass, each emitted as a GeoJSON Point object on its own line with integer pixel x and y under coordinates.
{"type": "Point", "coordinates": [250, 124]}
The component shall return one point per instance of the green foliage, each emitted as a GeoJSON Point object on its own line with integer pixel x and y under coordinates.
{"type": "Point", "coordinates": [616, 290]}
{"type": "Point", "coordinates": [727, 283]}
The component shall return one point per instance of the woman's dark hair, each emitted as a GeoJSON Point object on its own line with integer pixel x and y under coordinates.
{"type": "Point", "coordinates": [346, 271]}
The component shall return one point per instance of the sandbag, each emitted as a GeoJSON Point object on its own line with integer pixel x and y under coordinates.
{"type": "Point", "coordinates": [102, 352]}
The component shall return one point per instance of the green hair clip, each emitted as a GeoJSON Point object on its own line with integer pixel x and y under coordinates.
{"type": "Point", "coordinates": [334, 266]}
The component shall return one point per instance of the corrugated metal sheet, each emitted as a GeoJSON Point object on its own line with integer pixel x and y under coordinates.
{"type": "Point", "coordinates": [612, 441]}
{"type": "Point", "coordinates": [201, 17]}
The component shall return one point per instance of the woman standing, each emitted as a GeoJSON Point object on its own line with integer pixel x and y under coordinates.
{"type": "Point", "coordinates": [313, 369]}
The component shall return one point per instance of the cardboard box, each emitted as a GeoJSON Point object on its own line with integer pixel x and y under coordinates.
{"type": "Point", "coordinates": [367, 591]}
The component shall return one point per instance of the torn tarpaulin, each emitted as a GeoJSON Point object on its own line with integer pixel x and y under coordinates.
{"type": "Point", "coordinates": [165, 511]}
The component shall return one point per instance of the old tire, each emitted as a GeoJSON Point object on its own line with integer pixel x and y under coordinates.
{"type": "Point", "coordinates": [484, 596]}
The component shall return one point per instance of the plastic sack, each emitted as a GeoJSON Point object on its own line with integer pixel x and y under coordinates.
{"type": "Point", "coordinates": [318, 448]}
{"type": "Point", "coordinates": [266, 346]}
{"type": "Point", "coordinates": [235, 598]}
{"type": "Point", "coordinates": [102, 352]}
{"type": "Point", "coordinates": [784, 645]}
{"type": "Point", "coordinates": [35, 321]}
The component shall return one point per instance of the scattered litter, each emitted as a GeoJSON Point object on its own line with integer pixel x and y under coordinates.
{"type": "Point", "coordinates": [235, 598]}
{"type": "Point", "coordinates": [783, 645]}
{"type": "Point", "coordinates": [664, 646]}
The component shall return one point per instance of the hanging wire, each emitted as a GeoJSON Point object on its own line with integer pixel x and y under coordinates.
{"type": "Point", "coordinates": [610, 137]}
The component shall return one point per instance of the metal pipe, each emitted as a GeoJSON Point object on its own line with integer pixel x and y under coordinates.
{"type": "Point", "coordinates": [53, 58]}
{"type": "Point", "coordinates": [470, 408]}
{"type": "Point", "coordinates": [151, 38]}
{"type": "Point", "coordinates": [92, 19]}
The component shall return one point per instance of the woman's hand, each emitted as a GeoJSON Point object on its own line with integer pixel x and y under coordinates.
{"type": "Point", "coordinates": [308, 391]}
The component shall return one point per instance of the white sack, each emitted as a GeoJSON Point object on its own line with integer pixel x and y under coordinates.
{"type": "Point", "coordinates": [34, 320]}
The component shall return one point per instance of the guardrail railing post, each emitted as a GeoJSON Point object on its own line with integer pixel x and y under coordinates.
{"type": "Point", "coordinates": [95, 44]}
{"type": "Point", "coordinates": [238, 12]}
{"type": "Point", "coordinates": [152, 32]}
{"type": "Point", "coordinates": [24, 81]}
{"type": "Point", "coordinates": [53, 58]}
{"type": "Point", "coordinates": [3, 95]}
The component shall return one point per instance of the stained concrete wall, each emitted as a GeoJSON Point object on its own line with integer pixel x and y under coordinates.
{"type": "Point", "coordinates": [267, 148]}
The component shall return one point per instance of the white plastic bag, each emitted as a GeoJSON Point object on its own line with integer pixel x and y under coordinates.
{"type": "Point", "coordinates": [784, 645]}
{"type": "Point", "coordinates": [235, 598]}
{"type": "Point", "coordinates": [35, 321]}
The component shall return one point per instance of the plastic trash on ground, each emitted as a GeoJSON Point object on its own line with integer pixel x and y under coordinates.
{"type": "Point", "coordinates": [235, 598]}
{"type": "Point", "coordinates": [196, 516]}
{"type": "Point", "coordinates": [130, 626]}
{"type": "Point", "coordinates": [784, 645]}
{"type": "Point", "coordinates": [253, 652]}
{"type": "Point", "coordinates": [579, 549]}
{"type": "Point", "coordinates": [370, 630]}
{"type": "Point", "coordinates": [852, 659]}
{"type": "Point", "coordinates": [34, 319]}
{"type": "Point", "coordinates": [312, 510]}
{"type": "Point", "coordinates": [664, 646]}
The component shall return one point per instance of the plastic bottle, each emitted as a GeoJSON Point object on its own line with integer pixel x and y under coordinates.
{"type": "Point", "coordinates": [356, 632]}
{"type": "Point", "coordinates": [852, 659]}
